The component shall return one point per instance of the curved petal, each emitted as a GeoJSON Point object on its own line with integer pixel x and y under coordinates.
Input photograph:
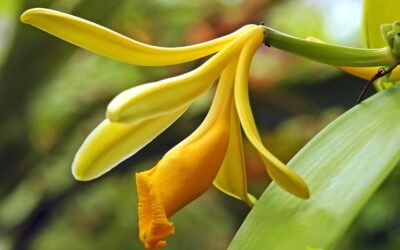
{"type": "Point", "coordinates": [152, 99]}
{"type": "Point", "coordinates": [231, 178]}
{"type": "Point", "coordinates": [108, 43]}
{"type": "Point", "coordinates": [111, 143]}
{"type": "Point", "coordinates": [278, 171]}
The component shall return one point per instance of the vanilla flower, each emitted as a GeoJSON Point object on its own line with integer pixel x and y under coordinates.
{"type": "Point", "coordinates": [213, 153]}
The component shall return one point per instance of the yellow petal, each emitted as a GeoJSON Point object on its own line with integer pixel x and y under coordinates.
{"type": "Point", "coordinates": [106, 42]}
{"type": "Point", "coordinates": [152, 99]}
{"type": "Point", "coordinates": [278, 171]}
{"type": "Point", "coordinates": [110, 143]}
{"type": "Point", "coordinates": [231, 178]}
{"type": "Point", "coordinates": [186, 171]}
{"type": "Point", "coordinates": [376, 13]}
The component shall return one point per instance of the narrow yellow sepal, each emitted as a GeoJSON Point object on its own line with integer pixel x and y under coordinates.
{"type": "Point", "coordinates": [153, 99]}
{"type": "Point", "coordinates": [231, 178]}
{"type": "Point", "coordinates": [278, 171]}
{"type": "Point", "coordinates": [110, 143]}
{"type": "Point", "coordinates": [106, 42]}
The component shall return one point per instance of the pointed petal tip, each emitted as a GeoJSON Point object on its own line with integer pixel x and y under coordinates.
{"type": "Point", "coordinates": [80, 175]}
{"type": "Point", "coordinates": [112, 114]}
{"type": "Point", "coordinates": [304, 194]}
{"type": "Point", "coordinates": [118, 108]}
{"type": "Point", "coordinates": [118, 114]}
{"type": "Point", "coordinates": [25, 16]}
{"type": "Point", "coordinates": [288, 180]}
{"type": "Point", "coordinates": [301, 191]}
{"type": "Point", "coordinates": [81, 171]}
{"type": "Point", "coordinates": [251, 200]}
{"type": "Point", "coordinates": [28, 14]}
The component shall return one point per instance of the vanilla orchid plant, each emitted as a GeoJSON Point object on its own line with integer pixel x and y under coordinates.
{"type": "Point", "coordinates": [213, 153]}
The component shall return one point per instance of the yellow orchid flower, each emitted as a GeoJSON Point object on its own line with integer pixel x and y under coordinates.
{"type": "Point", "coordinates": [149, 103]}
{"type": "Point", "coordinates": [212, 154]}
{"type": "Point", "coordinates": [187, 170]}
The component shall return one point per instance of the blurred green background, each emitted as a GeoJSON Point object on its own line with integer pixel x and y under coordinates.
{"type": "Point", "coordinates": [53, 94]}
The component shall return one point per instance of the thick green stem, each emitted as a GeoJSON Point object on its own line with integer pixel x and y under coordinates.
{"type": "Point", "coordinates": [328, 53]}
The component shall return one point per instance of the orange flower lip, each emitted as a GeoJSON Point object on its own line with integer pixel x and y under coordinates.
{"type": "Point", "coordinates": [187, 170]}
{"type": "Point", "coordinates": [153, 223]}
{"type": "Point", "coordinates": [182, 175]}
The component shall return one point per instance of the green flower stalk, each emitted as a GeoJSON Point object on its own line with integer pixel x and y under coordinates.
{"type": "Point", "coordinates": [328, 53]}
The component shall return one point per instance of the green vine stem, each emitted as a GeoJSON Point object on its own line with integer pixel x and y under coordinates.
{"type": "Point", "coordinates": [328, 53]}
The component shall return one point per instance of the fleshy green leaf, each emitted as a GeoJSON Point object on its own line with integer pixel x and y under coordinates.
{"type": "Point", "coordinates": [377, 12]}
{"type": "Point", "coordinates": [343, 165]}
